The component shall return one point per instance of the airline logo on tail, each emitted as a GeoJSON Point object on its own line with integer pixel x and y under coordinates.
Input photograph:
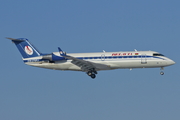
{"type": "Point", "coordinates": [28, 50]}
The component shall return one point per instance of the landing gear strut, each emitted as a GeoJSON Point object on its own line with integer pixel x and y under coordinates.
{"type": "Point", "coordinates": [92, 73]}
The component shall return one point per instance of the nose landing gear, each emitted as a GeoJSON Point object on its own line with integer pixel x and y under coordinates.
{"type": "Point", "coordinates": [162, 73]}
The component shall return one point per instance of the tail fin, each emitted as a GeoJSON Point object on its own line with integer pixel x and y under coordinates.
{"type": "Point", "coordinates": [26, 49]}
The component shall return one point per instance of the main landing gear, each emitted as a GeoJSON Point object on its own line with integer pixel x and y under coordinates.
{"type": "Point", "coordinates": [92, 73]}
{"type": "Point", "coordinates": [162, 73]}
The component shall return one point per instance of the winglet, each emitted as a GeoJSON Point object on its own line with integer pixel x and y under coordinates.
{"type": "Point", "coordinates": [61, 52]}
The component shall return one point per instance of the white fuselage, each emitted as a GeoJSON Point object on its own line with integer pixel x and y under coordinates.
{"type": "Point", "coordinates": [114, 60]}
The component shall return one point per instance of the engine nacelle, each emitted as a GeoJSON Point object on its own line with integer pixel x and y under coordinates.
{"type": "Point", "coordinates": [52, 57]}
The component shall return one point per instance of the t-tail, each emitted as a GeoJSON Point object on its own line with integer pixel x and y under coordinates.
{"type": "Point", "coordinates": [31, 54]}
{"type": "Point", "coordinates": [26, 49]}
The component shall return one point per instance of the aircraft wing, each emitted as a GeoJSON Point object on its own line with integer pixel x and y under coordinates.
{"type": "Point", "coordinates": [86, 65]}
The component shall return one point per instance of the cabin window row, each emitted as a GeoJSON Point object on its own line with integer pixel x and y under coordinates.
{"type": "Point", "coordinates": [113, 57]}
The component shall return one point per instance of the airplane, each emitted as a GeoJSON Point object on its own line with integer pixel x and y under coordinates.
{"type": "Point", "coordinates": [90, 63]}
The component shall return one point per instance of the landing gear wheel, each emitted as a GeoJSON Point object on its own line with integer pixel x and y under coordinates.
{"type": "Point", "coordinates": [92, 73]}
{"type": "Point", "coordinates": [162, 73]}
{"type": "Point", "coordinates": [93, 76]}
{"type": "Point", "coordinates": [89, 73]}
{"type": "Point", "coordinates": [95, 72]}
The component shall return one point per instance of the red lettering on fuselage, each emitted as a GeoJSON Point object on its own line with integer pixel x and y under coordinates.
{"type": "Point", "coordinates": [121, 54]}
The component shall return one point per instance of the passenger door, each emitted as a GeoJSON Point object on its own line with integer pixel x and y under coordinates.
{"type": "Point", "coordinates": [143, 59]}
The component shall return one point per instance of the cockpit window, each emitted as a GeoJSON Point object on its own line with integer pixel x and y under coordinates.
{"type": "Point", "coordinates": [157, 54]}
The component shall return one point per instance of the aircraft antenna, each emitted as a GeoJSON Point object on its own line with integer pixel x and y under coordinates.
{"type": "Point", "coordinates": [135, 50]}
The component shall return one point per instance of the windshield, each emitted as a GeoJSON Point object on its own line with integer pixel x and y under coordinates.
{"type": "Point", "coordinates": [157, 54]}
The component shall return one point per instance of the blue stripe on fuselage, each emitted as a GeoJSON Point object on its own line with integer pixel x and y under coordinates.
{"type": "Point", "coordinates": [99, 57]}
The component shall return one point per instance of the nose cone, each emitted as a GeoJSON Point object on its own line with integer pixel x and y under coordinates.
{"type": "Point", "coordinates": [170, 62]}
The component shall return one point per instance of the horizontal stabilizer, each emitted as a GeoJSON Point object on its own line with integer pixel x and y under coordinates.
{"type": "Point", "coordinates": [13, 39]}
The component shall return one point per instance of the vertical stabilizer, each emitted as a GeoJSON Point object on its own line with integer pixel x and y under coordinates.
{"type": "Point", "coordinates": [26, 49]}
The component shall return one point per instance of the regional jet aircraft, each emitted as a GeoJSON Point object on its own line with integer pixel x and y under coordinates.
{"type": "Point", "coordinates": [90, 63]}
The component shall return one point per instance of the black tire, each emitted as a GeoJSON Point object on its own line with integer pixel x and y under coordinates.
{"type": "Point", "coordinates": [93, 76]}
{"type": "Point", "coordinates": [95, 72]}
{"type": "Point", "coordinates": [162, 73]}
{"type": "Point", "coordinates": [89, 73]}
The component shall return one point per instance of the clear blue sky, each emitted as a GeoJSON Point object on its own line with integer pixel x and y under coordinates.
{"type": "Point", "coordinates": [29, 93]}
